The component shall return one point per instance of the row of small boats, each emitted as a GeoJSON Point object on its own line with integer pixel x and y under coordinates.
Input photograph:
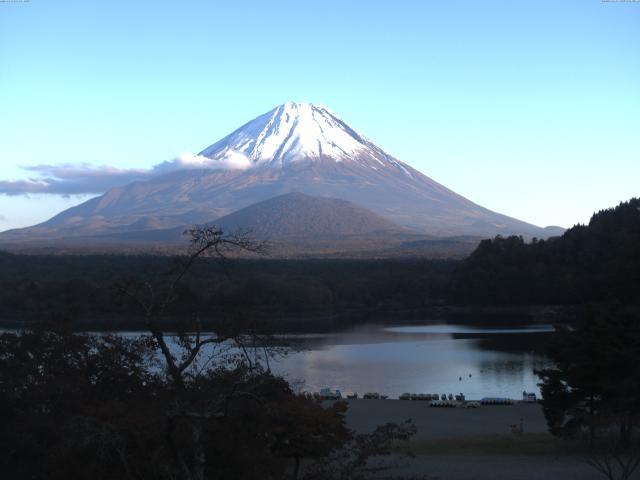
{"type": "Point", "coordinates": [432, 397]}
{"type": "Point", "coordinates": [437, 400]}
{"type": "Point", "coordinates": [328, 394]}
{"type": "Point", "coordinates": [368, 396]}
{"type": "Point", "coordinates": [453, 404]}
{"type": "Point", "coordinates": [497, 401]}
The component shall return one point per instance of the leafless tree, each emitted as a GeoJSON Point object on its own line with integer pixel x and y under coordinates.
{"type": "Point", "coordinates": [154, 297]}
{"type": "Point", "coordinates": [614, 457]}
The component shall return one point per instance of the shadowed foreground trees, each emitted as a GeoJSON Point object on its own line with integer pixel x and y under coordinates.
{"type": "Point", "coordinates": [97, 407]}
{"type": "Point", "coordinates": [183, 405]}
{"type": "Point", "coordinates": [593, 392]}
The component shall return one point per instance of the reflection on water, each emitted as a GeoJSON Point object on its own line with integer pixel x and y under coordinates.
{"type": "Point", "coordinates": [431, 359]}
{"type": "Point", "coordinates": [435, 358]}
{"type": "Point", "coordinates": [458, 329]}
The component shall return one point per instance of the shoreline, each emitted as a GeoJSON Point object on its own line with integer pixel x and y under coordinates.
{"type": "Point", "coordinates": [275, 322]}
{"type": "Point", "coordinates": [471, 444]}
{"type": "Point", "coordinates": [363, 416]}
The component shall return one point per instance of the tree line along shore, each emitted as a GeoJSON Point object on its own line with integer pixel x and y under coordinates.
{"type": "Point", "coordinates": [503, 278]}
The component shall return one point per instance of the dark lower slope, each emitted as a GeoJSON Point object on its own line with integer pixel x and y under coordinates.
{"type": "Point", "coordinates": [405, 197]}
{"type": "Point", "coordinates": [598, 262]}
{"type": "Point", "coordinates": [295, 226]}
{"type": "Point", "coordinates": [304, 216]}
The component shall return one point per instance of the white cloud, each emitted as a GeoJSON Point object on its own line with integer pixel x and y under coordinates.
{"type": "Point", "coordinates": [85, 178]}
{"type": "Point", "coordinates": [188, 161]}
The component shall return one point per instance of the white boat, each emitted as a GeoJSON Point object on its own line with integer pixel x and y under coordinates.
{"type": "Point", "coordinates": [328, 394]}
{"type": "Point", "coordinates": [496, 401]}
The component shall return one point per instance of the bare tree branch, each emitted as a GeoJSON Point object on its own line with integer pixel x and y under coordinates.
{"type": "Point", "coordinates": [154, 302]}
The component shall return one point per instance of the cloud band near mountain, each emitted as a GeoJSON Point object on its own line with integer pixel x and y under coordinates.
{"type": "Point", "coordinates": [84, 178]}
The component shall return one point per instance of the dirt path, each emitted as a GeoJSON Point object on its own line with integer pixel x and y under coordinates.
{"type": "Point", "coordinates": [432, 423]}
{"type": "Point", "coordinates": [494, 467]}
{"type": "Point", "coordinates": [474, 444]}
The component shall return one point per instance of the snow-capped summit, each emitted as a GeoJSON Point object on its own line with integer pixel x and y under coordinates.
{"type": "Point", "coordinates": [296, 147]}
{"type": "Point", "coordinates": [294, 132]}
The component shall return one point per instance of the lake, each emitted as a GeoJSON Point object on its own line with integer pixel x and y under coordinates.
{"type": "Point", "coordinates": [434, 358]}
{"type": "Point", "coordinates": [479, 361]}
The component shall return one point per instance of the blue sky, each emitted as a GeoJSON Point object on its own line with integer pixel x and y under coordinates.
{"type": "Point", "coordinates": [531, 109]}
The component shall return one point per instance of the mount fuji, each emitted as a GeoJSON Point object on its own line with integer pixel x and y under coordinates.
{"type": "Point", "coordinates": [296, 147]}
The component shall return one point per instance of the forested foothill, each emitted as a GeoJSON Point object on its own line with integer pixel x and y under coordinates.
{"type": "Point", "coordinates": [84, 289]}
{"type": "Point", "coordinates": [593, 263]}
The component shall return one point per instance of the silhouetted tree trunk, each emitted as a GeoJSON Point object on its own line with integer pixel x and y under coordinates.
{"type": "Point", "coordinates": [154, 301]}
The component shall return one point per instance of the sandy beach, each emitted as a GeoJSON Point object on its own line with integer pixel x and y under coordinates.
{"type": "Point", "coordinates": [434, 423]}
{"type": "Point", "coordinates": [473, 444]}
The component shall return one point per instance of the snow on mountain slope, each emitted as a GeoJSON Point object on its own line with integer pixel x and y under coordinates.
{"type": "Point", "coordinates": [296, 147]}
{"type": "Point", "coordinates": [295, 132]}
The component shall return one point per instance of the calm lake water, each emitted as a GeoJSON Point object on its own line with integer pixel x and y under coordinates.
{"type": "Point", "coordinates": [479, 361]}
{"type": "Point", "coordinates": [440, 358]}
